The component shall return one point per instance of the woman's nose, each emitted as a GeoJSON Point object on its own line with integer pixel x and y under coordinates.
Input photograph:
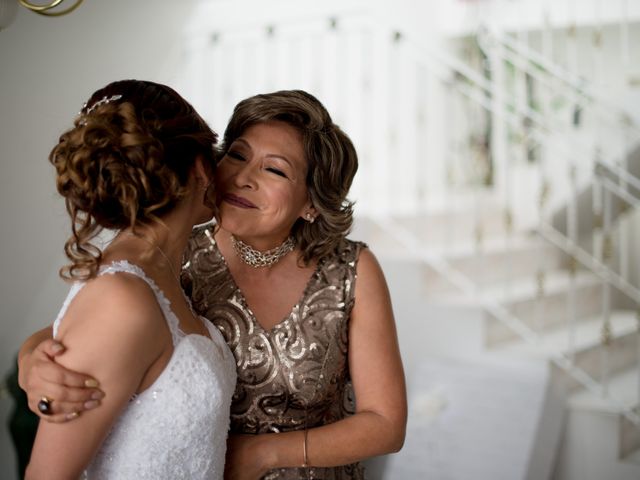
{"type": "Point", "coordinates": [246, 176]}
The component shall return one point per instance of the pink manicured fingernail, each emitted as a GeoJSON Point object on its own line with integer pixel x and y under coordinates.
{"type": "Point", "coordinates": [71, 416]}
{"type": "Point", "coordinates": [91, 404]}
{"type": "Point", "coordinates": [57, 348]}
{"type": "Point", "coordinates": [91, 383]}
{"type": "Point", "coordinates": [97, 395]}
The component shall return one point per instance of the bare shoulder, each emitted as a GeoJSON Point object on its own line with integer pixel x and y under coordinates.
{"type": "Point", "coordinates": [125, 298]}
{"type": "Point", "coordinates": [369, 270]}
{"type": "Point", "coordinates": [372, 301]}
{"type": "Point", "coordinates": [114, 315]}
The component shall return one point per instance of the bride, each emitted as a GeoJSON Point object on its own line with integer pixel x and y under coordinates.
{"type": "Point", "coordinates": [139, 161]}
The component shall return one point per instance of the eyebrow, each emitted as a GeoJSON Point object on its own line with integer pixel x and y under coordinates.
{"type": "Point", "coordinates": [269, 155]}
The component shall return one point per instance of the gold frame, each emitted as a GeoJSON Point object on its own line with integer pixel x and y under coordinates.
{"type": "Point", "coordinates": [44, 9]}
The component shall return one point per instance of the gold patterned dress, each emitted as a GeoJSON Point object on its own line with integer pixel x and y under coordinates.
{"type": "Point", "coordinates": [296, 374]}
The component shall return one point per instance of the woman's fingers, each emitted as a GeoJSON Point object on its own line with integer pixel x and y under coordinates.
{"type": "Point", "coordinates": [76, 397]}
{"type": "Point", "coordinates": [60, 417]}
{"type": "Point", "coordinates": [65, 403]}
{"type": "Point", "coordinates": [51, 347]}
{"type": "Point", "coordinates": [50, 371]}
{"type": "Point", "coordinates": [69, 393]}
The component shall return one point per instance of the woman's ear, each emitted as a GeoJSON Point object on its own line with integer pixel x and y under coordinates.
{"type": "Point", "coordinates": [309, 213]}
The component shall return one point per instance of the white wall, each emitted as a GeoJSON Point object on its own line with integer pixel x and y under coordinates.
{"type": "Point", "coordinates": [48, 68]}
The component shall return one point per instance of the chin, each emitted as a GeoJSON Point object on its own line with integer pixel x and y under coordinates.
{"type": "Point", "coordinates": [229, 220]}
{"type": "Point", "coordinates": [236, 227]}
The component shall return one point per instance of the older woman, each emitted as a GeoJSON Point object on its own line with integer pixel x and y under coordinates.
{"type": "Point", "coordinates": [305, 311]}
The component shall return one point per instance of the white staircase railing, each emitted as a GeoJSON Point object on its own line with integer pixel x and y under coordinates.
{"type": "Point", "coordinates": [580, 91]}
{"type": "Point", "coordinates": [610, 178]}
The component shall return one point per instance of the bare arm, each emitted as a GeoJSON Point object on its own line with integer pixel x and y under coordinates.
{"type": "Point", "coordinates": [378, 425]}
{"type": "Point", "coordinates": [40, 375]}
{"type": "Point", "coordinates": [114, 330]}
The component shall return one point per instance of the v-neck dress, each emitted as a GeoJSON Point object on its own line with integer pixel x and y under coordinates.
{"type": "Point", "coordinates": [294, 375]}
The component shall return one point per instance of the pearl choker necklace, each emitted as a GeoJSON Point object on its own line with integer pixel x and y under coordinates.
{"type": "Point", "coordinates": [256, 258]}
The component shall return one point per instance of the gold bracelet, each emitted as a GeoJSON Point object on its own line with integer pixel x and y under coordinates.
{"type": "Point", "coordinates": [305, 461]}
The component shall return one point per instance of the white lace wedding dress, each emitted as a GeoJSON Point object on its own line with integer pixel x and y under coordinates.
{"type": "Point", "coordinates": [177, 428]}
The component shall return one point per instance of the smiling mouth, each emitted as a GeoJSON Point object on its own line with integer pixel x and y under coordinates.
{"type": "Point", "coordinates": [238, 201]}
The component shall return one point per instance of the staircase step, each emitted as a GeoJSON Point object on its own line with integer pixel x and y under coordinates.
{"type": "Point", "coordinates": [521, 291]}
{"type": "Point", "coordinates": [622, 387]}
{"type": "Point", "coordinates": [549, 311]}
{"type": "Point", "coordinates": [526, 288]}
{"type": "Point", "coordinates": [623, 391]}
{"type": "Point", "coordinates": [590, 355]}
{"type": "Point", "coordinates": [507, 259]}
{"type": "Point", "coordinates": [451, 231]}
{"type": "Point", "coordinates": [592, 448]}
{"type": "Point", "coordinates": [500, 261]}
{"type": "Point", "coordinates": [588, 335]}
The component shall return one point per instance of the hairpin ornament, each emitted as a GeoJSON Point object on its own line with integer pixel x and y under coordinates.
{"type": "Point", "coordinates": [104, 100]}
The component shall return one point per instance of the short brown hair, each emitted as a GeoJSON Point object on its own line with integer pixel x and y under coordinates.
{"type": "Point", "coordinates": [125, 162]}
{"type": "Point", "coordinates": [332, 163]}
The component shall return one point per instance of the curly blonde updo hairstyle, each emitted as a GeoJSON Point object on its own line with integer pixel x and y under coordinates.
{"type": "Point", "coordinates": [331, 158]}
{"type": "Point", "coordinates": [125, 163]}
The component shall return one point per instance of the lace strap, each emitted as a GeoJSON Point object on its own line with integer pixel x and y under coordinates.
{"type": "Point", "coordinates": [163, 301]}
{"type": "Point", "coordinates": [123, 266]}
{"type": "Point", "coordinates": [73, 291]}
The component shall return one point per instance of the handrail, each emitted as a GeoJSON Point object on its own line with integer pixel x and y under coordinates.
{"type": "Point", "coordinates": [571, 149]}
{"type": "Point", "coordinates": [623, 194]}
{"type": "Point", "coordinates": [563, 242]}
{"type": "Point", "coordinates": [571, 80]}
{"type": "Point", "coordinates": [524, 64]}
{"type": "Point", "coordinates": [623, 174]}
{"type": "Point", "coordinates": [542, 135]}
{"type": "Point", "coordinates": [557, 238]}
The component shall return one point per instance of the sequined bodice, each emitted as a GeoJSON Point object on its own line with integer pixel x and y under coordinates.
{"type": "Point", "coordinates": [176, 428]}
{"type": "Point", "coordinates": [294, 375]}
